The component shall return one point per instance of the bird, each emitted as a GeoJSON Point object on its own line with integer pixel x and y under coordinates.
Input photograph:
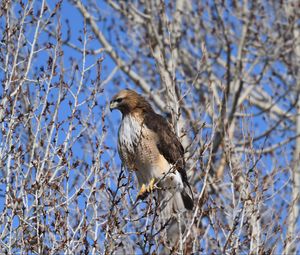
{"type": "Point", "coordinates": [148, 146]}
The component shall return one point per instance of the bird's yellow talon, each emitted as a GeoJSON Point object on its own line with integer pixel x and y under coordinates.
{"type": "Point", "coordinates": [142, 191]}
{"type": "Point", "coordinates": [151, 185]}
{"type": "Point", "coordinates": [145, 190]}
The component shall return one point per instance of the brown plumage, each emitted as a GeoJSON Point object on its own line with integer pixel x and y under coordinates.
{"type": "Point", "coordinates": [148, 146]}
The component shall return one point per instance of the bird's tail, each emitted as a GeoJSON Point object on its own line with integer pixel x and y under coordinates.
{"type": "Point", "coordinates": [172, 202]}
{"type": "Point", "coordinates": [171, 205]}
{"type": "Point", "coordinates": [188, 200]}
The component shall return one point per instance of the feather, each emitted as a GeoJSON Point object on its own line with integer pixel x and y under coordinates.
{"type": "Point", "coordinates": [148, 145]}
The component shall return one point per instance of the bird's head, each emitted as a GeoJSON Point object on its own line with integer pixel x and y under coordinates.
{"type": "Point", "coordinates": [127, 101]}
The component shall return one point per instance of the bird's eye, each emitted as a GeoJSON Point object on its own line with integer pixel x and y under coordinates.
{"type": "Point", "coordinates": [118, 100]}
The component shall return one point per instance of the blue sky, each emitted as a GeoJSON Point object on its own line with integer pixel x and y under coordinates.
{"type": "Point", "coordinates": [112, 119]}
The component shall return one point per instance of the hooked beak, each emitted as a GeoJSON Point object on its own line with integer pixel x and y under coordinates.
{"type": "Point", "coordinates": [113, 105]}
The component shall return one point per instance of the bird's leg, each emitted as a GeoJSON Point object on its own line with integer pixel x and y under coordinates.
{"type": "Point", "coordinates": [145, 190]}
{"type": "Point", "coordinates": [151, 185]}
{"type": "Point", "coordinates": [142, 192]}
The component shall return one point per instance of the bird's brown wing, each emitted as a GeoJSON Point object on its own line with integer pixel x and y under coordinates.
{"type": "Point", "coordinates": [170, 147]}
{"type": "Point", "coordinates": [168, 143]}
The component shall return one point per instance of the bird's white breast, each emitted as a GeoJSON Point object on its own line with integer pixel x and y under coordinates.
{"type": "Point", "coordinates": [129, 134]}
{"type": "Point", "coordinates": [138, 150]}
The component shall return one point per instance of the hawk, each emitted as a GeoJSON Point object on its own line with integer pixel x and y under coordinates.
{"type": "Point", "coordinates": [148, 146]}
